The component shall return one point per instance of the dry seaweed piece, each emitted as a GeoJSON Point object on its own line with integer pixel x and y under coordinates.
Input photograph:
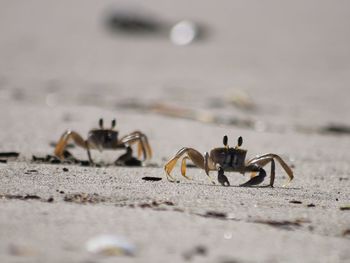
{"type": "Point", "coordinates": [84, 198]}
{"type": "Point", "coordinates": [214, 214]}
{"type": "Point", "coordinates": [346, 207]}
{"type": "Point", "coordinates": [26, 197]}
{"type": "Point", "coordinates": [3, 161]}
{"type": "Point", "coordinates": [151, 178]}
{"type": "Point", "coordinates": [284, 224]}
{"type": "Point", "coordinates": [336, 129]}
{"type": "Point", "coordinates": [21, 197]}
{"type": "Point", "coordinates": [154, 204]}
{"type": "Point", "coordinates": [311, 205]}
{"type": "Point", "coordinates": [132, 22]}
{"type": "Point", "coordinates": [145, 205]}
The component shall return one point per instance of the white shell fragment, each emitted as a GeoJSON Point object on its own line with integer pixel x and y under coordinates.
{"type": "Point", "coordinates": [110, 245]}
{"type": "Point", "coordinates": [183, 33]}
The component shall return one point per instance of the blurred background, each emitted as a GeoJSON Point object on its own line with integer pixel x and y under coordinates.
{"type": "Point", "coordinates": [269, 66]}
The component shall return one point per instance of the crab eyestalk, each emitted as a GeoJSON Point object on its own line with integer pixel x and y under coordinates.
{"type": "Point", "coordinates": [100, 123]}
{"type": "Point", "coordinates": [114, 122]}
{"type": "Point", "coordinates": [239, 141]}
{"type": "Point", "coordinates": [225, 140]}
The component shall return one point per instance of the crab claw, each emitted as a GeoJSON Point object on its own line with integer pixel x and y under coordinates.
{"type": "Point", "coordinates": [222, 178]}
{"type": "Point", "coordinates": [255, 180]}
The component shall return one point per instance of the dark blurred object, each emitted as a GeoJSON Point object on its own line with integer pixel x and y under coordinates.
{"type": "Point", "coordinates": [141, 22]}
{"type": "Point", "coordinates": [336, 129]}
{"type": "Point", "coordinates": [345, 207]}
{"type": "Point", "coordinates": [132, 22]}
{"type": "Point", "coordinates": [197, 250]}
{"type": "Point", "coordinates": [9, 154]}
{"type": "Point", "coordinates": [5, 156]}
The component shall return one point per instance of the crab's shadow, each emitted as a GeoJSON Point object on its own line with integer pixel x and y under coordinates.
{"type": "Point", "coordinates": [192, 182]}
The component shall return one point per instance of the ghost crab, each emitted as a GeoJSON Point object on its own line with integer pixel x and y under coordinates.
{"type": "Point", "coordinates": [106, 139]}
{"type": "Point", "coordinates": [230, 159]}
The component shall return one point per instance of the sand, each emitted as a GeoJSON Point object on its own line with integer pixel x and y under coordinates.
{"type": "Point", "coordinates": [275, 73]}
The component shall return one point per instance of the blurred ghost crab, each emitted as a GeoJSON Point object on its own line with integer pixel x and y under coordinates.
{"type": "Point", "coordinates": [106, 139]}
{"type": "Point", "coordinates": [229, 159]}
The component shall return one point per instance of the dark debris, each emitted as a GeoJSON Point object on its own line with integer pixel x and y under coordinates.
{"type": "Point", "coordinates": [84, 198]}
{"type": "Point", "coordinates": [346, 207]}
{"type": "Point", "coordinates": [346, 232]}
{"type": "Point", "coordinates": [70, 159]}
{"type": "Point", "coordinates": [214, 214]}
{"type": "Point", "coordinates": [340, 129]}
{"type": "Point", "coordinates": [155, 204]}
{"type": "Point", "coordinates": [132, 22]}
{"type": "Point", "coordinates": [20, 197]}
{"type": "Point", "coordinates": [199, 250]}
{"type": "Point", "coordinates": [295, 202]}
{"type": "Point", "coordinates": [25, 197]}
{"type": "Point", "coordinates": [151, 178]}
{"type": "Point", "coordinates": [9, 154]}
{"type": "Point", "coordinates": [284, 224]}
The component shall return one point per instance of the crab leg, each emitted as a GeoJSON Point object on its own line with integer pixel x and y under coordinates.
{"type": "Point", "coordinates": [256, 179]}
{"type": "Point", "coordinates": [62, 143]}
{"type": "Point", "coordinates": [142, 143]}
{"type": "Point", "coordinates": [265, 159]}
{"type": "Point", "coordinates": [145, 142]}
{"type": "Point", "coordinates": [192, 154]}
{"type": "Point", "coordinates": [222, 177]}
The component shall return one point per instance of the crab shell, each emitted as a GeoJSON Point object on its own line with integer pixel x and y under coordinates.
{"type": "Point", "coordinates": [230, 159]}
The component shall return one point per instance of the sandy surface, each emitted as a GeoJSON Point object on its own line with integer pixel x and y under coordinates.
{"type": "Point", "coordinates": [60, 68]}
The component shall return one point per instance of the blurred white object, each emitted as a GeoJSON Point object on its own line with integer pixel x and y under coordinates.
{"type": "Point", "coordinates": [183, 33]}
{"type": "Point", "coordinates": [110, 245]}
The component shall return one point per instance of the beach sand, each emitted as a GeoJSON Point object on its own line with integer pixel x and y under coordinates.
{"type": "Point", "coordinates": [275, 73]}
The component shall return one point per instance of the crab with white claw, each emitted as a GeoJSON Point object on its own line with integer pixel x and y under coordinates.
{"type": "Point", "coordinates": [106, 139]}
{"type": "Point", "coordinates": [229, 159]}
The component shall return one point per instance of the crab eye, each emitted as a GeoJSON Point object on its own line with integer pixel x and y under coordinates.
{"type": "Point", "coordinates": [224, 140]}
{"type": "Point", "coordinates": [240, 141]}
{"type": "Point", "coordinates": [100, 123]}
{"type": "Point", "coordinates": [114, 122]}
